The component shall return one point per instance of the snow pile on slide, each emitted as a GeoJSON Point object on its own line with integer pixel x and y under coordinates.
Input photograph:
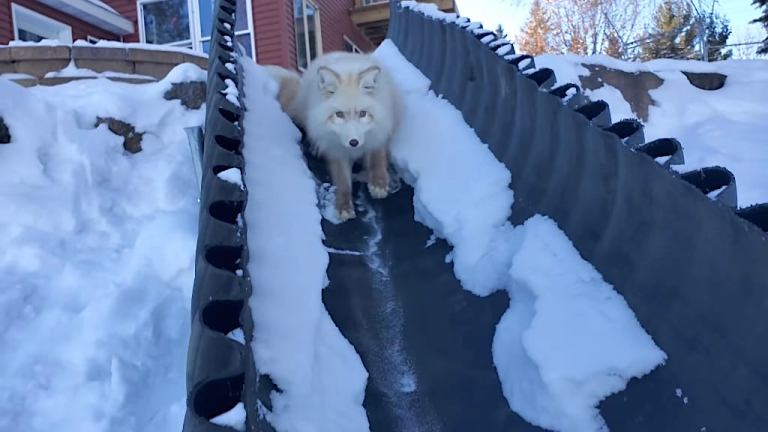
{"type": "Point", "coordinates": [723, 127]}
{"type": "Point", "coordinates": [568, 339]}
{"type": "Point", "coordinates": [321, 376]}
{"type": "Point", "coordinates": [97, 257]}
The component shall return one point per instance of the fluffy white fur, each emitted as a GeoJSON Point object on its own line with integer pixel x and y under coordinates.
{"type": "Point", "coordinates": [348, 106]}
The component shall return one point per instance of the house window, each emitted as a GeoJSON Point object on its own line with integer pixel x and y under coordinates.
{"type": "Point", "coordinates": [306, 26]}
{"type": "Point", "coordinates": [242, 24]}
{"type": "Point", "coordinates": [31, 26]}
{"type": "Point", "coordinates": [188, 23]}
{"type": "Point", "coordinates": [350, 46]}
{"type": "Point", "coordinates": [166, 22]}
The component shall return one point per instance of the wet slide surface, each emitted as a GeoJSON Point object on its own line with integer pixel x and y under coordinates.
{"type": "Point", "coordinates": [424, 340]}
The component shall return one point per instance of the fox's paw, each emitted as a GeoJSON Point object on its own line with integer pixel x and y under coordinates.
{"type": "Point", "coordinates": [345, 213]}
{"type": "Point", "coordinates": [377, 191]}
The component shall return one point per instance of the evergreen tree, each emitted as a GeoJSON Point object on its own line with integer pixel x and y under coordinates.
{"type": "Point", "coordinates": [500, 32]}
{"type": "Point", "coordinates": [674, 32]}
{"type": "Point", "coordinates": [763, 49]}
{"type": "Point", "coordinates": [535, 38]}
{"type": "Point", "coordinates": [718, 31]}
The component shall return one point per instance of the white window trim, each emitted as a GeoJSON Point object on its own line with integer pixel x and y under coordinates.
{"type": "Point", "coordinates": [318, 32]}
{"type": "Point", "coordinates": [63, 30]}
{"type": "Point", "coordinates": [195, 30]}
{"type": "Point", "coordinates": [354, 45]}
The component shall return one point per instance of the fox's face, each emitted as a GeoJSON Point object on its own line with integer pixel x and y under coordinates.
{"type": "Point", "coordinates": [351, 106]}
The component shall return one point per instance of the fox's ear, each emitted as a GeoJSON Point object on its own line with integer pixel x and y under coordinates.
{"type": "Point", "coordinates": [329, 79]}
{"type": "Point", "coordinates": [369, 78]}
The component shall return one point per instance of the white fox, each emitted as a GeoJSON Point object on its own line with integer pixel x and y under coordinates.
{"type": "Point", "coordinates": [348, 106]}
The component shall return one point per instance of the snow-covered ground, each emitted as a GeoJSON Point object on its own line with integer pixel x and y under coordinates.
{"type": "Point", "coordinates": [97, 257]}
{"type": "Point", "coordinates": [722, 127]}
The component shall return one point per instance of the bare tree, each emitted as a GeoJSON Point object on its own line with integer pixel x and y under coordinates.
{"type": "Point", "coordinates": [589, 27]}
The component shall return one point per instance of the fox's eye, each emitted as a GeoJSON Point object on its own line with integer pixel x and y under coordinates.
{"type": "Point", "coordinates": [363, 114]}
{"type": "Point", "coordinates": [340, 114]}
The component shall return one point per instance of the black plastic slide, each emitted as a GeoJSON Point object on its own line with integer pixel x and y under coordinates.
{"type": "Point", "coordinates": [692, 269]}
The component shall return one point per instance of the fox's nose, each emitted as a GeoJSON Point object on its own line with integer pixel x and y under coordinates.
{"type": "Point", "coordinates": [354, 143]}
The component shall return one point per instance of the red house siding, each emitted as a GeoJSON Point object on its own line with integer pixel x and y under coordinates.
{"type": "Point", "coordinates": [273, 25]}
{"type": "Point", "coordinates": [335, 23]}
{"type": "Point", "coordinates": [275, 36]}
{"type": "Point", "coordinates": [6, 26]}
{"type": "Point", "coordinates": [80, 29]}
{"type": "Point", "coordinates": [129, 10]}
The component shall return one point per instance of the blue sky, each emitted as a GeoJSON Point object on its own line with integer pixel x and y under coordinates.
{"type": "Point", "coordinates": [513, 13]}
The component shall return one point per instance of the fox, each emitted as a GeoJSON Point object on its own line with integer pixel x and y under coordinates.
{"type": "Point", "coordinates": [348, 106]}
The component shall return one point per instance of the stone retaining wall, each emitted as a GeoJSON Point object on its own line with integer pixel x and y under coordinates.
{"type": "Point", "coordinates": [32, 63]}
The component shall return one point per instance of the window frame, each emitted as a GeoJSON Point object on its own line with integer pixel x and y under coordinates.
{"type": "Point", "coordinates": [355, 49]}
{"type": "Point", "coordinates": [318, 33]}
{"type": "Point", "coordinates": [63, 31]}
{"type": "Point", "coordinates": [196, 40]}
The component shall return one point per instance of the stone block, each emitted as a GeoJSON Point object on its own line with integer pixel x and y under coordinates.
{"type": "Point", "coordinates": [38, 68]}
{"type": "Point", "coordinates": [93, 52]}
{"type": "Point", "coordinates": [152, 56]}
{"type": "Point", "coordinates": [155, 70]}
{"type": "Point", "coordinates": [40, 52]}
{"type": "Point", "coordinates": [105, 65]}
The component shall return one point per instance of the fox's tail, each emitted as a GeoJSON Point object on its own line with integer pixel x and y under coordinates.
{"type": "Point", "coordinates": [289, 86]}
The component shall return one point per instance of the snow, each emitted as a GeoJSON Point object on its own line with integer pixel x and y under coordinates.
{"type": "Point", "coordinates": [504, 50]}
{"type": "Point", "coordinates": [43, 42]}
{"type": "Point", "coordinates": [580, 340]}
{"type": "Point", "coordinates": [234, 418]}
{"type": "Point", "coordinates": [237, 335]}
{"type": "Point", "coordinates": [136, 45]}
{"type": "Point", "coordinates": [430, 10]}
{"type": "Point", "coordinates": [723, 127]}
{"type": "Point", "coordinates": [568, 339]}
{"type": "Point", "coordinates": [232, 175]}
{"type": "Point", "coordinates": [295, 342]}
{"type": "Point", "coordinates": [97, 262]}
{"type": "Point", "coordinates": [231, 92]}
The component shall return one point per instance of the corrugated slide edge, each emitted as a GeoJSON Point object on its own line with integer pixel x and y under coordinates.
{"type": "Point", "coordinates": [221, 372]}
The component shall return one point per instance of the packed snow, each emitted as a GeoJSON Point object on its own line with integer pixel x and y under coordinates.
{"type": "Point", "coordinates": [234, 418]}
{"type": "Point", "coordinates": [568, 339]}
{"type": "Point", "coordinates": [723, 127]}
{"type": "Point", "coordinates": [97, 262]}
{"type": "Point", "coordinates": [232, 175]}
{"type": "Point", "coordinates": [320, 375]}
{"type": "Point", "coordinates": [573, 327]}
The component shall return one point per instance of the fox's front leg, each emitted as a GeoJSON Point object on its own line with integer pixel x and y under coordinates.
{"type": "Point", "coordinates": [377, 165]}
{"type": "Point", "coordinates": [341, 175]}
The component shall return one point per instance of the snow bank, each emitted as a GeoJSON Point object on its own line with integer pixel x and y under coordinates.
{"type": "Point", "coordinates": [568, 339]}
{"type": "Point", "coordinates": [722, 127]}
{"type": "Point", "coordinates": [321, 376]}
{"type": "Point", "coordinates": [97, 262]}
{"type": "Point", "coordinates": [574, 337]}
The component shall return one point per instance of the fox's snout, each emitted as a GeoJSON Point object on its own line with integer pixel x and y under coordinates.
{"type": "Point", "coordinates": [354, 143]}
